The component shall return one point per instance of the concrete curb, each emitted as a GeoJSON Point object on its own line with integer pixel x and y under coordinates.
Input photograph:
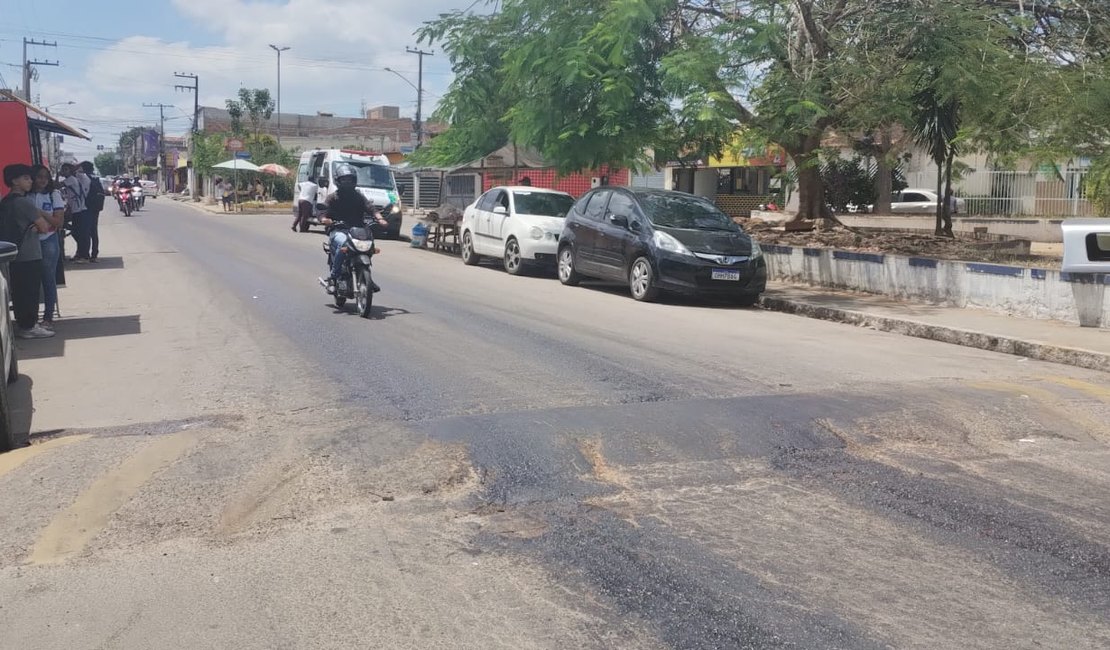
{"type": "Point", "coordinates": [1078, 357]}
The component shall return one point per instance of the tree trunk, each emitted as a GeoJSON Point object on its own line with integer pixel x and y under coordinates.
{"type": "Point", "coordinates": [884, 185]}
{"type": "Point", "coordinates": [948, 193]}
{"type": "Point", "coordinates": [939, 229]}
{"type": "Point", "coordinates": [811, 192]}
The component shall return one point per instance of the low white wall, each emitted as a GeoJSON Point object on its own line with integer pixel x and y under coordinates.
{"type": "Point", "coordinates": [1038, 230]}
{"type": "Point", "coordinates": [1010, 290]}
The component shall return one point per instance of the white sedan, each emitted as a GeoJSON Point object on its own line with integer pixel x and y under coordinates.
{"type": "Point", "coordinates": [519, 224]}
{"type": "Point", "coordinates": [150, 188]}
{"type": "Point", "coordinates": [912, 201]}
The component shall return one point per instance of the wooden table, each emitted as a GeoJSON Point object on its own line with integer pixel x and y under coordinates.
{"type": "Point", "coordinates": [444, 236]}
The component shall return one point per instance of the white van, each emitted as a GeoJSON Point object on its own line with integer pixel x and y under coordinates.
{"type": "Point", "coordinates": [375, 180]}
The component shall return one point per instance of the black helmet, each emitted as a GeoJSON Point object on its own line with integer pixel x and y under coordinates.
{"type": "Point", "coordinates": [344, 170]}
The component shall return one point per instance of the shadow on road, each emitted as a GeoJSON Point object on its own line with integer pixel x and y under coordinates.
{"type": "Point", "coordinates": [79, 328]}
{"type": "Point", "coordinates": [102, 263]}
{"type": "Point", "coordinates": [21, 401]}
{"type": "Point", "coordinates": [377, 312]}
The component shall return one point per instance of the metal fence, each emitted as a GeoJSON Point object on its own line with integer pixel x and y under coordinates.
{"type": "Point", "coordinates": [1013, 193]}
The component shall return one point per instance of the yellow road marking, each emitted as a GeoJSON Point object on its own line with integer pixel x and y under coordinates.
{"type": "Point", "coordinates": [15, 458]}
{"type": "Point", "coordinates": [71, 530]}
{"type": "Point", "coordinates": [1094, 390]}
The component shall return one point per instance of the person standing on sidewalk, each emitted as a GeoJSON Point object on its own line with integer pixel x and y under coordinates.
{"type": "Point", "coordinates": [21, 224]}
{"type": "Point", "coordinates": [94, 203]}
{"type": "Point", "coordinates": [306, 205]}
{"type": "Point", "coordinates": [52, 209]}
{"type": "Point", "coordinates": [75, 187]}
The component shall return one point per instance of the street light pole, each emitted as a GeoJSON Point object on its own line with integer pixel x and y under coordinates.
{"type": "Point", "coordinates": [419, 93]}
{"type": "Point", "coordinates": [279, 50]}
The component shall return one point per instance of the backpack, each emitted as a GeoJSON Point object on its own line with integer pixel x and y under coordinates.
{"type": "Point", "coordinates": [94, 202]}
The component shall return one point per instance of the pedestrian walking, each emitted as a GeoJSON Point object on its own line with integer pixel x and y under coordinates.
{"type": "Point", "coordinates": [225, 194]}
{"type": "Point", "coordinates": [52, 209]}
{"type": "Point", "coordinates": [21, 224]}
{"type": "Point", "coordinates": [75, 188]}
{"type": "Point", "coordinates": [306, 205]}
{"type": "Point", "coordinates": [94, 204]}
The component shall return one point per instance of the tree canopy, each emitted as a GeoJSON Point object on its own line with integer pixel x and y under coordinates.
{"type": "Point", "coordinates": [604, 81]}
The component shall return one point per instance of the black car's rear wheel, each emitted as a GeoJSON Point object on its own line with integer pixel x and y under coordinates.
{"type": "Point", "coordinates": [567, 274]}
{"type": "Point", "coordinates": [641, 280]}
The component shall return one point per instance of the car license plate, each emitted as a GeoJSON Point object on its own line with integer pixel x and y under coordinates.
{"type": "Point", "coordinates": [726, 274]}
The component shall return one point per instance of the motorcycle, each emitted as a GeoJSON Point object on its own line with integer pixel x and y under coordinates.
{"type": "Point", "coordinates": [137, 197]}
{"type": "Point", "coordinates": [355, 280]}
{"type": "Point", "coordinates": [126, 201]}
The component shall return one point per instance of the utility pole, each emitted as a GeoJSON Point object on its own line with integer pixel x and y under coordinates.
{"type": "Point", "coordinates": [161, 142]}
{"type": "Point", "coordinates": [193, 133]}
{"type": "Point", "coordinates": [279, 50]}
{"type": "Point", "coordinates": [27, 63]}
{"type": "Point", "coordinates": [419, 93]}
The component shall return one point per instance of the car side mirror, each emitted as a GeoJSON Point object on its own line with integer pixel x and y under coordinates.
{"type": "Point", "coordinates": [618, 220]}
{"type": "Point", "coordinates": [501, 210]}
{"type": "Point", "coordinates": [8, 251]}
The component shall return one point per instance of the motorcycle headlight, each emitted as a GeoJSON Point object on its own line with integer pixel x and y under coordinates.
{"type": "Point", "coordinates": [536, 232]}
{"type": "Point", "coordinates": [665, 241]}
{"type": "Point", "coordinates": [362, 245]}
{"type": "Point", "coordinates": [757, 250]}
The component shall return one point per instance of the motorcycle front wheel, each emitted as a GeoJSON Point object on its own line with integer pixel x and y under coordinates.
{"type": "Point", "coordinates": [364, 297]}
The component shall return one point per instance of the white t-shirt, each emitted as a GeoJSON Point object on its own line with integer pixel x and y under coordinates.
{"type": "Point", "coordinates": [48, 202]}
{"type": "Point", "coordinates": [308, 192]}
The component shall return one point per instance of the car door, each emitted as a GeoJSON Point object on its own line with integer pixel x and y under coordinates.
{"type": "Point", "coordinates": [615, 237]}
{"type": "Point", "coordinates": [914, 203]}
{"type": "Point", "coordinates": [499, 220]}
{"type": "Point", "coordinates": [586, 233]}
{"type": "Point", "coordinates": [485, 241]}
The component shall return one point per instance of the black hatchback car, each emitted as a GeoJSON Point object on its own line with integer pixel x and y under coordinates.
{"type": "Point", "coordinates": [660, 240]}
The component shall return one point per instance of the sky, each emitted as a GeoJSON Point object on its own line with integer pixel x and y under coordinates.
{"type": "Point", "coordinates": [111, 63]}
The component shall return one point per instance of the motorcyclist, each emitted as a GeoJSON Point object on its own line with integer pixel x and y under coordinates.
{"type": "Point", "coordinates": [346, 209]}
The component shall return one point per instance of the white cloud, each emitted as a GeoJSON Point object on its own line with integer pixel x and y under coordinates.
{"type": "Point", "coordinates": [365, 35]}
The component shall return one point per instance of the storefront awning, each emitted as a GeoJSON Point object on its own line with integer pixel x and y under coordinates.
{"type": "Point", "coordinates": [44, 121]}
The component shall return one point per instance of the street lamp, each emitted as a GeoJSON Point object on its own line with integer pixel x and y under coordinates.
{"type": "Point", "coordinates": [419, 105]}
{"type": "Point", "coordinates": [47, 108]}
{"type": "Point", "coordinates": [279, 50]}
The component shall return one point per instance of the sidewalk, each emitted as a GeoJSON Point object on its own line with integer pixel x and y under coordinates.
{"type": "Point", "coordinates": [1044, 340]}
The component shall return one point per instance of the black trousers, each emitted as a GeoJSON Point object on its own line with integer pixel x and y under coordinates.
{"type": "Point", "coordinates": [26, 283]}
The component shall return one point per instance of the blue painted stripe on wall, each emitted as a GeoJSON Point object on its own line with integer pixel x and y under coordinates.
{"type": "Point", "coordinates": [996, 269]}
{"type": "Point", "coordinates": [923, 262]}
{"type": "Point", "coordinates": [859, 257]}
{"type": "Point", "coordinates": [775, 248]}
{"type": "Point", "coordinates": [1038, 274]}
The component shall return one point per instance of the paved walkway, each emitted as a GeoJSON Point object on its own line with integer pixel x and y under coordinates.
{"type": "Point", "coordinates": [1038, 339]}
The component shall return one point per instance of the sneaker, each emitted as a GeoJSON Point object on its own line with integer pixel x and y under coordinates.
{"type": "Point", "coordinates": [35, 332]}
{"type": "Point", "coordinates": [47, 325]}
{"type": "Point", "coordinates": [93, 260]}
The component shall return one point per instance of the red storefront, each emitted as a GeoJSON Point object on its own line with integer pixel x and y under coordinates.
{"type": "Point", "coordinates": [24, 130]}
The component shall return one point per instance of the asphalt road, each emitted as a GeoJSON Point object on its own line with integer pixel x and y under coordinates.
{"type": "Point", "coordinates": [493, 461]}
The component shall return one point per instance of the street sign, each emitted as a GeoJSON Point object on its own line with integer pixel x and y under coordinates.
{"type": "Point", "coordinates": [243, 155]}
{"type": "Point", "coordinates": [407, 148]}
{"type": "Point", "coordinates": [233, 144]}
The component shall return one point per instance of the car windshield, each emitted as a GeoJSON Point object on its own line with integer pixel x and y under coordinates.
{"type": "Point", "coordinates": [685, 211]}
{"type": "Point", "coordinates": [372, 175]}
{"type": "Point", "coordinates": [544, 204]}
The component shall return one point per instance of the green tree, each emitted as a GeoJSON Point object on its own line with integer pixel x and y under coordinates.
{"type": "Point", "coordinates": [108, 163]}
{"type": "Point", "coordinates": [255, 104]}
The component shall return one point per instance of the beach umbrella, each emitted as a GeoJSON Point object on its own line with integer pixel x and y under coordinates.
{"type": "Point", "coordinates": [274, 169]}
{"type": "Point", "coordinates": [237, 164]}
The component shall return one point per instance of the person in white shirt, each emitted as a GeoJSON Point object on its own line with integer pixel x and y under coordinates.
{"type": "Point", "coordinates": [52, 209]}
{"type": "Point", "coordinates": [306, 206]}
